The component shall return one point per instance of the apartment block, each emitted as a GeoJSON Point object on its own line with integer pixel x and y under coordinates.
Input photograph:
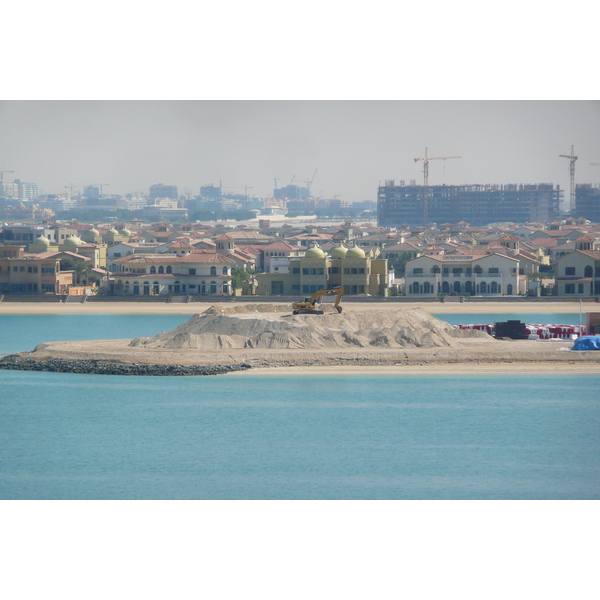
{"type": "Point", "coordinates": [476, 204]}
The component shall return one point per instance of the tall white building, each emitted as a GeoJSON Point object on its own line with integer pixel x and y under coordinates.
{"type": "Point", "coordinates": [26, 190]}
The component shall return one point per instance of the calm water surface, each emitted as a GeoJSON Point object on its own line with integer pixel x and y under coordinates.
{"type": "Point", "coordinates": [69, 436]}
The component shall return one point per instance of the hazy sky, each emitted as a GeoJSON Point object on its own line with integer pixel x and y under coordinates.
{"type": "Point", "coordinates": [353, 145]}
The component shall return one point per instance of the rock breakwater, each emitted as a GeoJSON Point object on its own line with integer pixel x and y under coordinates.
{"type": "Point", "coordinates": [96, 367]}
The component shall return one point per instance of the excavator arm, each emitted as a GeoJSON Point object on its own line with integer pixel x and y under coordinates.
{"type": "Point", "coordinates": [308, 306]}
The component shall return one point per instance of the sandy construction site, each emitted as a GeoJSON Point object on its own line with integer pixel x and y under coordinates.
{"type": "Point", "coordinates": [362, 338]}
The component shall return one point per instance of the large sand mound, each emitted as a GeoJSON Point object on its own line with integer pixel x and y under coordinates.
{"type": "Point", "coordinates": [215, 330]}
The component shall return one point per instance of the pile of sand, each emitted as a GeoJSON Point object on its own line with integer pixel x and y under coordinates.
{"type": "Point", "coordinates": [246, 309]}
{"type": "Point", "coordinates": [215, 330]}
{"type": "Point", "coordinates": [237, 309]}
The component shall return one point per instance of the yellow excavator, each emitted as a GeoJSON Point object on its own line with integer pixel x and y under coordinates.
{"type": "Point", "coordinates": [308, 307]}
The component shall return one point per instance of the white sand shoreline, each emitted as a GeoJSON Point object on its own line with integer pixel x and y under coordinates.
{"type": "Point", "coordinates": [428, 370]}
{"type": "Point", "coordinates": [147, 308]}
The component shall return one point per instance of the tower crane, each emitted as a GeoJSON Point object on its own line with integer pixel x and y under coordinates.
{"type": "Point", "coordinates": [425, 160]}
{"type": "Point", "coordinates": [70, 187]}
{"type": "Point", "coordinates": [308, 182]}
{"type": "Point", "coordinates": [572, 158]}
{"type": "Point", "coordinates": [101, 185]}
{"type": "Point", "coordinates": [2, 171]}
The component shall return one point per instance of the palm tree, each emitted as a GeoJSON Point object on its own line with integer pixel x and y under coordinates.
{"type": "Point", "coordinates": [81, 268]}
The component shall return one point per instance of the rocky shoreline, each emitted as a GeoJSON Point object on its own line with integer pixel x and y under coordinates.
{"type": "Point", "coordinates": [98, 367]}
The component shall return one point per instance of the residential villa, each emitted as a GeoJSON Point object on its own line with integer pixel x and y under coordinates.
{"type": "Point", "coordinates": [162, 274]}
{"type": "Point", "coordinates": [487, 275]}
{"type": "Point", "coordinates": [578, 273]}
{"type": "Point", "coordinates": [22, 273]}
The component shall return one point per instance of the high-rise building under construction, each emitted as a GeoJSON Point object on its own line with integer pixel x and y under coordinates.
{"type": "Point", "coordinates": [587, 202]}
{"type": "Point", "coordinates": [476, 204]}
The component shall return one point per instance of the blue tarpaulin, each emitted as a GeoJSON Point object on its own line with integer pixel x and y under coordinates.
{"type": "Point", "coordinates": [587, 342]}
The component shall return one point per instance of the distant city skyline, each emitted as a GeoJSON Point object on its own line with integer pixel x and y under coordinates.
{"type": "Point", "coordinates": [352, 145]}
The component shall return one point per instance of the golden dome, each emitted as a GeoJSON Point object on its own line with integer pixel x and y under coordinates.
{"type": "Point", "coordinates": [314, 252]}
{"type": "Point", "coordinates": [339, 251]}
{"type": "Point", "coordinates": [355, 252]}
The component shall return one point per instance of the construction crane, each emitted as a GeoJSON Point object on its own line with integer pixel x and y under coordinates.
{"type": "Point", "coordinates": [2, 171]}
{"type": "Point", "coordinates": [70, 187]}
{"type": "Point", "coordinates": [241, 187]}
{"type": "Point", "coordinates": [101, 185]}
{"type": "Point", "coordinates": [308, 182]}
{"type": "Point", "coordinates": [425, 160]}
{"type": "Point", "coordinates": [572, 158]}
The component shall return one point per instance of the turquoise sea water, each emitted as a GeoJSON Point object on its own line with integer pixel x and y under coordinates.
{"type": "Point", "coordinates": [69, 436]}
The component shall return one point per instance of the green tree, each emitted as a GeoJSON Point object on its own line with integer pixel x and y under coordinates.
{"type": "Point", "coordinates": [81, 268]}
{"type": "Point", "coordinates": [400, 262]}
{"type": "Point", "coordinates": [238, 278]}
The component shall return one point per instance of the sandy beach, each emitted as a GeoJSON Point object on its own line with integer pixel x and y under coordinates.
{"type": "Point", "coordinates": [539, 368]}
{"type": "Point", "coordinates": [163, 308]}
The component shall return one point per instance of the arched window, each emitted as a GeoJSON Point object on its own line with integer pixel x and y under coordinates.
{"type": "Point", "coordinates": [457, 287]}
{"type": "Point", "coordinates": [588, 271]}
{"type": "Point", "coordinates": [426, 288]}
{"type": "Point", "coordinates": [468, 287]}
{"type": "Point", "coordinates": [415, 287]}
{"type": "Point", "coordinates": [213, 271]}
{"type": "Point", "coordinates": [213, 287]}
{"type": "Point", "coordinates": [152, 269]}
{"type": "Point", "coordinates": [509, 289]}
{"type": "Point", "coordinates": [161, 269]}
{"type": "Point", "coordinates": [224, 270]}
{"type": "Point", "coordinates": [169, 270]}
{"type": "Point", "coordinates": [445, 287]}
{"type": "Point", "coordinates": [493, 288]}
{"type": "Point", "coordinates": [478, 269]}
{"type": "Point", "coordinates": [482, 288]}
{"type": "Point", "coordinates": [435, 269]}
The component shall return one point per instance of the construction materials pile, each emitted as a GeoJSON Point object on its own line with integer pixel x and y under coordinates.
{"type": "Point", "coordinates": [243, 328]}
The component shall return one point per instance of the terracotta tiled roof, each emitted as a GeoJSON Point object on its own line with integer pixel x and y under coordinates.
{"type": "Point", "coordinates": [545, 242]}
{"type": "Point", "coordinates": [196, 257]}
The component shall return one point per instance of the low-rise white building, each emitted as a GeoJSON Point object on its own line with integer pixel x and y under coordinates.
{"type": "Point", "coordinates": [163, 274]}
{"type": "Point", "coordinates": [487, 275]}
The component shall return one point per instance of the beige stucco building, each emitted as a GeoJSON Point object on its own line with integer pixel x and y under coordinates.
{"type": "Point", "coordinates": [316, 270]}
{"type": "Point", "coordinates": [487, 275]}
{"type": "Point", "coordinates": [578, 274]}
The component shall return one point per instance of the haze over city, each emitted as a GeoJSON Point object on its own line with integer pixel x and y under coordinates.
{"type": "Point", "coordinates": [351, 145]}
